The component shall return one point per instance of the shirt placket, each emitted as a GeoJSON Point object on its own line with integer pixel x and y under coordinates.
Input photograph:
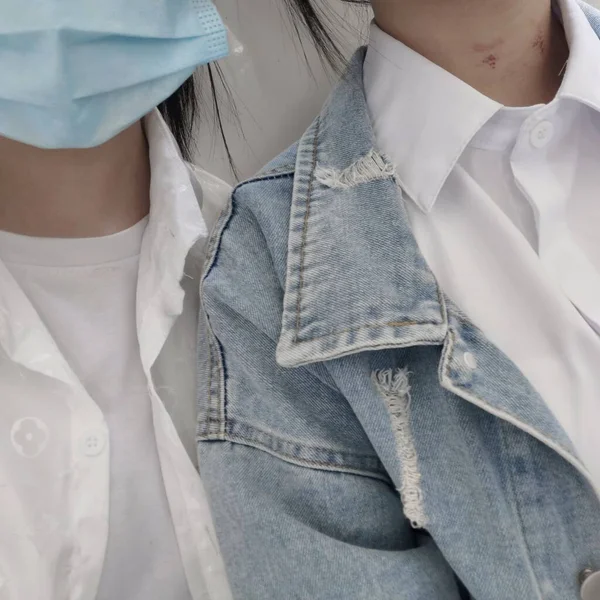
{"type": "Point", "coordinates": [80, 549]}
{"type": "Point", "coordinates": [203, 566]}
{"type": "Point", "coordinates": [547, 185]}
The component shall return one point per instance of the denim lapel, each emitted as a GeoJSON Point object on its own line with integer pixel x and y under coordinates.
{"type": "Point", "coordinates": [477, 371]}
{"type": "Point", "coordinates": [592, 14]}
{"type": "Point", "coordinates": [356, 280]}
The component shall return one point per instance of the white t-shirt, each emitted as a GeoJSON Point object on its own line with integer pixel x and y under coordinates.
{"type": "Point", "coordinates": [99, 493]}
{"type": "Point", "coordinates": [504, 207]}
{"type": "Point", "coordinates": [85, 293]}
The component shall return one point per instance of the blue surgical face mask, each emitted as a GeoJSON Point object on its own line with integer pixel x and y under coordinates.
{"type": "Point", "coordinates": [74, 73]}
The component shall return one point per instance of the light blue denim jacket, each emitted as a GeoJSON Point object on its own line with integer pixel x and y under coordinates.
{"type": "Point", "coordinates": [358, 436]}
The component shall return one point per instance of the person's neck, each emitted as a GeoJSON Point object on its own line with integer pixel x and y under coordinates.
{"type": "Point", "coordinates": [513, 51]}
{"type": "Point", "coordinates": [75, 193]}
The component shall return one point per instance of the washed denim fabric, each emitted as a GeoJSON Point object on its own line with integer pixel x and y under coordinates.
{"type": "Point", "coordinates": [358, 436]}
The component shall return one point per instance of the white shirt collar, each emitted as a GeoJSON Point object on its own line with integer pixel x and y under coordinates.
{"type": "Point", "coordinates": [424, 117]}
{"type": "Point", "coordinates": [581, 81]}
{"type": "Point", "coordinates": [175, 225]}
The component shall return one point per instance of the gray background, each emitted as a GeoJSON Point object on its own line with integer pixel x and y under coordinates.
{"type": "Point", "coordinates": [276, 95]}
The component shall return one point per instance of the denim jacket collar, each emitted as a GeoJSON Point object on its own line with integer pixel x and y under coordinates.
{"type": "Point", "coordinates": [346, 203]}
{"type": "Point", "coordinates": [356, 280]}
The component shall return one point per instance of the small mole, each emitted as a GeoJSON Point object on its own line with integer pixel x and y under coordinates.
{"type": "Point", "coordinates": [490, 61]}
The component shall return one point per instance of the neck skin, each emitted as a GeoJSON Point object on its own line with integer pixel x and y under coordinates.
{"type": "Point", "coordinates": [513, 51]}
{"type": "Point", "coordinates": [75, 193]}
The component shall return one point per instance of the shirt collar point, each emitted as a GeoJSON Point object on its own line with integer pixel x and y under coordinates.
{"type": "Point", "coordinates": [424, 201]}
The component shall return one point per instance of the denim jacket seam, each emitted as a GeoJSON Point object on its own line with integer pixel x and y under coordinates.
{"type": "Point", "coordinates": [214, 240]}
{"type": "Point", "coordinates": [445, 374]}
{"type": "Point", "coordinates": [214, 404]}
{"type": "Point", "coordinates": [305, 227]}
{"type": "Point", "coordinates": [391, 324]}
{"type": "Point", "coordinates": [347, 462]}
{"type": "Point", "coordinates": [502, 425]}
{"type": "Point", "coordinates": [442, 301]}
{"type": "Point", "coordinates": [268, 176]}
{"type": "Point", "coordinates": [278, 171]}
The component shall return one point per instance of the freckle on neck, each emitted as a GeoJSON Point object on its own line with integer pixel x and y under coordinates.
{"type": "Point", "coordinates": [539, 43]}
{"type": "Point", "coordinates": [491, 61]}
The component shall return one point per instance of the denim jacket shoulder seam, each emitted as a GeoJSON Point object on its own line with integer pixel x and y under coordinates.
{"type": "Point", "coordinates": [216, 417]}
{"type": "Point", "coordinates": [284, 170]}
{"type": "Point", "coordinates": [279, 173]}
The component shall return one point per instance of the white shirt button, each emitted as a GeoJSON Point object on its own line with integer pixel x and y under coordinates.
{"type": "Point", "coordinates": [541, 134]}
{"type": "Point", "coordinates": [470, 360]}
{"type": "Point", "coordinates": [93, 442]}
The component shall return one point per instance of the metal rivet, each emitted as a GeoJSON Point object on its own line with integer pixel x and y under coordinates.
{"type": "Point", "coordinates": [590, 584]}
{"type": "Point", "coordinates": [583, 575]}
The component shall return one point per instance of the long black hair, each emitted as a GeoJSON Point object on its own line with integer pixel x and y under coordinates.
{"type": "Point", "coordinates": [181, 109]}
{"type": "Point", "coordinates": [316, 18]}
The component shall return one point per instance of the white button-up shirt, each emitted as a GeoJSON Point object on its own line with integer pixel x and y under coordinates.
{"type": "Point", "coordinates": [55, 439]}
{"type": "Point", "coordinates": [504, 206]}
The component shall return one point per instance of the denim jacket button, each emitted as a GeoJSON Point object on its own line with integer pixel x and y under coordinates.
{"type": "Point", "coordinates": [590, 584]}
{"type": "Point", "coordinates": [470, 360]}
